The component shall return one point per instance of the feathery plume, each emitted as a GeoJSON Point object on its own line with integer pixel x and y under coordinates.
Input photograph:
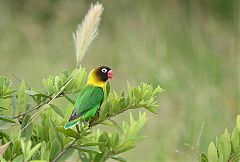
{"type": "Point", "coordinates": [87, 31]}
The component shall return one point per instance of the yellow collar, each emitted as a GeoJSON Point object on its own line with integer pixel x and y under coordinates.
{"type": "Point", "coordinates": [93, 80]}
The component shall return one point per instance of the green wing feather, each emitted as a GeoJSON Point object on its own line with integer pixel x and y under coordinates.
{"type": "Point", "coordinates": [87, 105]}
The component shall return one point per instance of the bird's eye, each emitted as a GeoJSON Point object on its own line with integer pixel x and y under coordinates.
{"type": "Point", "coordinates": [104, 70]}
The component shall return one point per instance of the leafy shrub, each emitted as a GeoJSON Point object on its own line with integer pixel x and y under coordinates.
{"type": "Point", "coordinates": [226, 148]}
{"type": "Point", "coordinates": [45, 138]}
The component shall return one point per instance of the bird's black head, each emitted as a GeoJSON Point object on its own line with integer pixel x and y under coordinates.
{"type": "Point", "coordinates": [103, 73]}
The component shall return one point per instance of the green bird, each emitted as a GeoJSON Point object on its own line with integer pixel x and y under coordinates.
{"type": "Point", "coordinates": [90, 97]}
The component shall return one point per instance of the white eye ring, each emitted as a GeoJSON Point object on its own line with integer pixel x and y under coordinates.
{"type": "Point", "coordinates": [104, 70]}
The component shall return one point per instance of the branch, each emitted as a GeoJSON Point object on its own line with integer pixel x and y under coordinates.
{"type": "Point", "coordinates": [36, 107]}
{"type": "Point", "coordinates": [63, 151]}
{"type": "Point", "coordinates": [42, 103]}
{"type": "Point", "coordinates": [94, 122]}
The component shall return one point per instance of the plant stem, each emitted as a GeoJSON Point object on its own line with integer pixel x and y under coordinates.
{"type": "Point", "coordinates": [63, 151]}
{"type": "Point", "coordinates": [33, 109]}
{"type": "Point", "coordinates": [95, 122]}
{"type": "Point", "coordinates": [42, 103]}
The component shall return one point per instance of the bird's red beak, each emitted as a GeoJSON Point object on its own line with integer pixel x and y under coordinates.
{"type": "Point", "coordinates": [110, 74]}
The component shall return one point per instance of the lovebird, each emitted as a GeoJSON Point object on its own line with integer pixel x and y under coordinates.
{"type": "Point", "coordinates": [91, 96]}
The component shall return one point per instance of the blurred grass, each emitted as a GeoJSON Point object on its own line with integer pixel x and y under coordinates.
{"type": "Point", "coordinates": [190, 48]}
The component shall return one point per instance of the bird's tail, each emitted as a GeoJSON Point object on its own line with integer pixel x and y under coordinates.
{"type": "Point", "coordinates": [70, 124]}
{"type": "Point", "coordinates": [83, 117]}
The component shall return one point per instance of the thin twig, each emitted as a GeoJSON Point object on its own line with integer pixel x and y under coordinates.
{"type": "Point", "coordinates": [42, 103]}
{"type": "Point", "coordinates": [63, 151]}
{"type": "Point", "coordinates": [70, 146]}
{"type": "Point", "coordinates": [36, 107]}
{"type": "Point", "coordinates": [95, 122]}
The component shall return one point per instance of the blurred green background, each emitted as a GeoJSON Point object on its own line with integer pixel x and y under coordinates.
{"type": "Point", "coordinates": [190, 48]}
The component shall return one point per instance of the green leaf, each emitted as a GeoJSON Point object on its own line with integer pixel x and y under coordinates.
{"type": "Point", "coordinates": [8, 96]}
{"type": "Point", "coordinates": [238, 123]}
{"type": "Point", "coordinates": [36, 96]}
{"type": "Point", "coordinates": [157, 90]}
{"type": "Point", "coordinates": [14, 104]}
{"type": "Point", "coordinates": [117, 126]}
{"type": "Point", "coordinates": [18, 158]}
{"type": "Point", "coordinates": [5, 85]}
{"type": "Point", "coordinates": [57, 110]}
{"type": "Point", "coordinates": [151, 109]}
{"type": "Point", "coordinates": [77, 81]}
{"type": "Point", "coordinates": [44, 151]}
{"type": "Point", "coordinates": [90, 144]}
{"type": "Point", "coordinates": [108, 87]}
{"type": "Point", "coordinates": [7, 119]}
{"type": "Point", "coordinates": [106, 122]}
{"type": "Point", "coordinates": [66, 155]}
{"type": "Point", "coordinates": [114, 140]}
{"type": "Point", "coordinates": [32, 151]}
{"type": "Point", "coordinates": [21, 97]}
{"type": "Point", "coordinates": [235, 140]}
{"type": "Point", "coordinates": [103, 142]}
{"type": "Point", "coordinates": [59, 136]}
{"type": "Point", "coordinates": [124, 149]}
{"type": "Point", "coordinates": [16, 147]}
{"type": "Point", "coordinates": [3, 108]}
{"type": "Point", "coordinates": [54, 149]}
{"type": "Point", "coordinates": [235, 157]}
{"type": "Point", "coordinates": [104, 110]}
{"type": "Point", "coordinates": [32, 92]}
{"type": "Point", "coordinates": [212, 153]}
{"type": "Point", "coordinates": [27, 132]}
{"type": "Point", "coordinates": [203, 157]}
{"type": "Point", "coordinates": [68, 132]}
{"type": "Point", "coordinates": [28, 146]}
{"type": "Point", "coordinates": [224, 146]}
{"type": "Point", "coordinates": [99, 157]}
{"type": "Point", "coordinates": [69, 99]}
{"type": "Point", "coordinates": [87, 149]}
{"type": "Point", "coordinates": [23, 146]}
{"type": "Point", "coordinates": [10, 92]}
{"type": "Point", "coordinates": [121, 159]}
